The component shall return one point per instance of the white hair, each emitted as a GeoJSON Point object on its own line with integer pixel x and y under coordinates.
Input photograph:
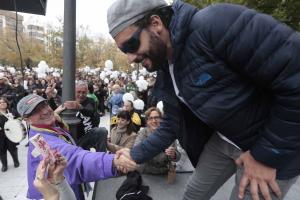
{"type": "Point", "coordinates": [81, 84]}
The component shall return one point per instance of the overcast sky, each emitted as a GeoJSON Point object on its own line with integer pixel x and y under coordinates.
{"type": "Point", "coordinates": [91, 13]}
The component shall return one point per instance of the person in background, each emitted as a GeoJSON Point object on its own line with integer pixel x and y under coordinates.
{"type": "Point", "coordinates": [101, 94]}
{"type": "Point", "coordinates": [6, 89]}
{"type": "Point", "coordinates": [19, 91]}
{"type": "Point", "coordinates": [130, 86]}
{"type": "Point", "coordinates": [5, 143]}
{"type": "Point", "coordinates": [161, 163]}
{"type": "Point", "coordinates": [50, 179]}
{"type": "Point", "coordinates": [122, 135]}
{"type": "Point", "coordinates": [115, 101]}
{"type": "Point", "coordinates": [31, 86]}
{"type": "Point", "coordinates": [152, 100]}
{"type": "Point", "coordinates": [89, 135]}
{"type": "Point", "coordinates": [135, 118]}
{"type": "Point", "coordinates": [53, 98]}
{"type": "Point", "coordinates": [91, 93]}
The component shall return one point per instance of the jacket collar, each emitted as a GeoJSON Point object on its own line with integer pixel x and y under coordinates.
{"type": "Point", "coordinates": [179, 26]}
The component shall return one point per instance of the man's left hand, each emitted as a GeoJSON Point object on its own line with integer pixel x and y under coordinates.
{"type": "Point", "coordinates": [259, 176]}
{"type": "Point", "coordinates": [171, 152]}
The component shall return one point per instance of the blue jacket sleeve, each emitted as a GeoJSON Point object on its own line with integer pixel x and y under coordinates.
{"type": "Point", "coordinates": [267, 52]}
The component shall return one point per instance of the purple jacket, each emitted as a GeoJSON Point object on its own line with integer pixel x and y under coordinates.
{"type": "Point", "coordinates": [83, 166]}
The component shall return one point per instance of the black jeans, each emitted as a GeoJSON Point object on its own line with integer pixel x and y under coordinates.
{"type": "Point", "coordinates": [95, 138]}
{"type": "Point", "coordinates": [7, 145]}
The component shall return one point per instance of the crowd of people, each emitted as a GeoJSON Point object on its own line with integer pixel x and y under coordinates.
{"type": "Point", "coordinates": [37, 101]}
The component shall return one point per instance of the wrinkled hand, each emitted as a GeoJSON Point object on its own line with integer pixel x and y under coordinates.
{"type": "Point", "coordinates": [41, 182]}
{"type": "Point", "coordinates": [49, 92]}
{"type": "Point", "coordinates": [56, 171]}
{"type": "Point", "coordinates": [72, 105]}
{"type": "Point", "coordinates": [59, 109]}
{"type": "Point", "coordinates": [259, 176]}
{"type": "Point", "coordinates": [123, 161]}
{"type": "Point", "coordinates": [171, 152]}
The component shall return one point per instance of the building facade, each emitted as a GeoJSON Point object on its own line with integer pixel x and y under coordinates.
{"type": "Point", "coordinates": [35, 32]}
{"type": "Point", "coordinates": [8, 22]}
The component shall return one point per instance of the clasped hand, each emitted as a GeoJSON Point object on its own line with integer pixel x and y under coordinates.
{"type": "Point", "coordinates": [123, 161]}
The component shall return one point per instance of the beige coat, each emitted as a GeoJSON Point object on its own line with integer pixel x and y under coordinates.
{"type": "Point", "coordinates": [120, 140]}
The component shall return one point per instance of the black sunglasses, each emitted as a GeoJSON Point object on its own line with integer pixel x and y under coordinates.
{"type": "Point", "coordinates": [133, 43]}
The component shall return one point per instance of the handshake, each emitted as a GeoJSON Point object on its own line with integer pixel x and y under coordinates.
{"type": "Point", "coordinates": [123, 161]}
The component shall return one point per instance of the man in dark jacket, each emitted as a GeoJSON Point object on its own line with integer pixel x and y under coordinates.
{"type": "Point", "coordinates": [229, 78]}
{"type": "Point", "coordinates": [5, 88]}
{"type": "Point", "coordinates": [88, 133]}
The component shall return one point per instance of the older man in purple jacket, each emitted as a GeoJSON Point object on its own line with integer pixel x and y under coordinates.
{"type": "Point", "coordinates": [83, 166]}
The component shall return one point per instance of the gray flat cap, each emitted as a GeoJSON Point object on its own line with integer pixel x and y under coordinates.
{"type": "Point", "coordinates": [123, 13]}
{"type": "Point", "coordinates": [28, 103]}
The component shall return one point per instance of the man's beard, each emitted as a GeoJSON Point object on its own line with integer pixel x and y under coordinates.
{"type": "Point", "coordinates": [157, 52]}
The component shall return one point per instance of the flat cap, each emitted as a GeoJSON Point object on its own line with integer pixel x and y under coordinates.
{"type": "Point", "coordinates": [123, 13]}
{"type": "Point", "coordinates": [28, 103]}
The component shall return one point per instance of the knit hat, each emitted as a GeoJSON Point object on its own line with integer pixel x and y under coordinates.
{"type": "Point", "coordinates": [28, 103]}
{"type": "Point", "coordinates": [123, 13]}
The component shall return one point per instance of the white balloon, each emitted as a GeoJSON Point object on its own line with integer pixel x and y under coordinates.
{"type": "Point", "coordinates": [160, 106]}
{"type": "Point", "coordinates": [141, 84]}
{"type": "Point", "coordinates": [11, 70]}
{"type": "Point", "coordinates": [143, 71]}
{"type": "Point", "coordinates": [51, 69]}
{"type": "Point", "coordinates": [139, 104]}
{"type": "Point", "coordinates": [93, 71]}
{"type": "Point", "coordinates": [107, 73]}
{"type": "Point", "coordinates": [106, 80]}
{"type": "Point", "coordinates": [42, 75]}
{"type": "Point", "coordinates": [109, 64]}
{"type": "Point", "coordinates": [56, 74]}
{"type": "Point", "coordinates": [102, 75]}
{"type": "Point", "coordinates": [87, 69]}
{"type": "Point", "coordinates": [128, 97]}
{"type": "Point", "coordinates": [133, 77]}
{"type": "Point", "coordinates": [42, 67]}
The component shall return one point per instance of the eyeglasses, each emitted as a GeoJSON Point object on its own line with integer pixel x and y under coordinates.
{"type": "Point", "coordinates": [153, 118]}
{"type": "Point", "coordinates": [133, 43]}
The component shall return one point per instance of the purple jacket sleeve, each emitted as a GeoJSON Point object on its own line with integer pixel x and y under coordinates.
{"type": "Point", "coordinates": [83, 166]}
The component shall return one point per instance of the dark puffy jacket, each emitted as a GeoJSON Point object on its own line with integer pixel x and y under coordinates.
{"type": "Point", "coordinates": [238, 72]}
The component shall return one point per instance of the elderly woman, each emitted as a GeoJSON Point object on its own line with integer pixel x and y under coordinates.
{"type": "Point", "coordinates": [122, 135]}
{"type": "Point", "coordinates": [160, 163]}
